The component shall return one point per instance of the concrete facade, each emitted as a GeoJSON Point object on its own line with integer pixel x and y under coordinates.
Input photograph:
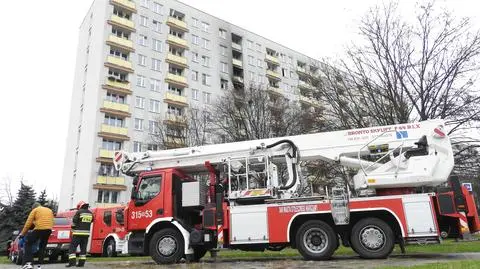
{"type": "Point", "coordinates": [136, 62]}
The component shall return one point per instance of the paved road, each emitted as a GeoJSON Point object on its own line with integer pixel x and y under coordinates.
{"type": "Point", "coordinates": [347, 262]}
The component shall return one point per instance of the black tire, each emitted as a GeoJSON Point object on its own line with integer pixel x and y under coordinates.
{"type": "Point", "coordinates": [173, 246]}
{"type": "Point", "coordinates": [64, 257]}
{"type": "Point", "coordinates": [378, 238]}
{"type": "Point", "coordinates": [324, 240]}
{"type": "Point", "coordinates": [199, 253]}
{"type": "Point", "coordinates": [19, 258]}
{"type": "Point", "coordinates": [109, 248]}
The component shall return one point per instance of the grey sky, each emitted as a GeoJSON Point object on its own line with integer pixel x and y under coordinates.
{"type": "Point", "coordinates": [38, 57]}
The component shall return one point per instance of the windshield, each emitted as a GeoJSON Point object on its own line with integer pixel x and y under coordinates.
{"type": "Point", "coordinates": [149, 188]}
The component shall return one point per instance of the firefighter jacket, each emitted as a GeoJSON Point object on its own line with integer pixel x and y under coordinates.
{"type": "Point", "coordinates": [81, 222]}
{"type": "Point", "coordinates": [41, 217]}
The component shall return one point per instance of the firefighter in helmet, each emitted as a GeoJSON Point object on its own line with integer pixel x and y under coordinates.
{"type": "Point", "coordinates": [81, 223]}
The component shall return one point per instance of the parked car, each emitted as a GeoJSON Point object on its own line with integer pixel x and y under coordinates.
{"type": "Point", "coordinates": [57, 246]}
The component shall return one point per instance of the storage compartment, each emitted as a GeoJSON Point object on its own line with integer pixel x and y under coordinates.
{"type": "Point", "coordinates": [249, 224]}
{"type": "Point", "coordinates": [194, 194]}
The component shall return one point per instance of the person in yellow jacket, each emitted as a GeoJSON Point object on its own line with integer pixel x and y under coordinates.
{"type": "Point", "coordinates": [42, 218]}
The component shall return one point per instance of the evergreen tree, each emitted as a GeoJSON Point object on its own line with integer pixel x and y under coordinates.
{"type": "Point", "coordinates": [23, 204]}
{"type": "Point", "coordinates": [52, 204]}
{"type": "Point", "coordinates": [42, 198]}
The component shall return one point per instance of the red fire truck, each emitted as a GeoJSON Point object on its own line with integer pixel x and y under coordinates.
{"type": "Point", "coordinates": [107, 231]}
{"type": "Point", "coordinates": [255, 199]}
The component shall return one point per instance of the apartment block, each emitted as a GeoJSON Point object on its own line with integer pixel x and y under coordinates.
{"type": "Point", "coordinates": [145, 63]}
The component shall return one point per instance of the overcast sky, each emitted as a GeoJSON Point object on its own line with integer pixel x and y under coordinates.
{"type": "Point", "coordinates": [38, 47]}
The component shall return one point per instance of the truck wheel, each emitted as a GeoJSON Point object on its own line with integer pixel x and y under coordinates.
{"type": "Point", "coordinates": [109, 249]}
{"type": "Point", "coordinates": [19, 258]}
{"type": "Point", "coordinates": [167, 246]}
{"type": "Point", "coordinates": [316, 240]}
{"type": "Point", "coordinates": [372, 238]}
{"type": "Point", "coordinates": [64, 257]}
{"type": "Point", "coordinates": [53, 258]}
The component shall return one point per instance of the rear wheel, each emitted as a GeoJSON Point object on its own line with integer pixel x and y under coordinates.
{"type": "Point", "coordinates": [53, 258]}
{"type": "Point", "coordinates": [109, 249]}
{"type": "Point", "coordinates": [19, 258]}
{"type": "Point", "coordinates": [167, 246]}
{"type": "Point", "coordinates": [372, 238]}
{"type": "Point", "coordinates": [316, 240]}
{"type": "Point", "coordinates": [64, 257]}
{"type": "Point", "coordinates": [198, 253]}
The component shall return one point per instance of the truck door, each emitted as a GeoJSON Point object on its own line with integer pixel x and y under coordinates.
{"type": "Point", "coordinates": [147, 201]}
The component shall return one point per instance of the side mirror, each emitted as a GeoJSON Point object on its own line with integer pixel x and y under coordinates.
{"type": "Point", "coordinates": [134, 194]}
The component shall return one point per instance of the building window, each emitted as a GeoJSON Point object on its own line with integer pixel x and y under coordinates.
{"type": "Point", "coordinates": [155, 85]}
{"type": "Point", "coordinates": [195, 22]}
{"type": "Point", "coordinates": [157, 26]}
{"type": "Point", "coordinates": [194, 75]}
{"type": "Point", "coordinates": [107, 169]}
{"type": "Point", "coordinates": [157, 8]}
{"type": "Point", "coordinates": [154, 106]}
{"type": "Point", "coordinates": [156, 64]}
{"type": "Point", "coordinates": [205, 26]}
{"type": "Point", "coordinates": [153, 127]}
{"type": "Point", "coordinates": [157, 45]}
{"type": "Point", "coordinates": [112, 97]}
{"type": "Point", "coordinates": [223, 84]}
{"type": "Point", "coordinates": [195, 57]}
{"type": "Point", "coordinates": [223, 50]}
{"type": "Point", "coordinates": [260, 78]}
{"type": "Point", "coordinates": [224, 67]}
{"type": "Point", "coordinates": [205, 79]}
{"type": "Point", "coordinates": [205, 61]}
{"type": "Point", "coordinates": [111, 145]}
{"type": "Point", "coordinates": [137, 146]}
{"type": "Point", "coordinates": [195, 94]}
{"type": "Point", "coordinates": [144, 21]}
{"type": "Point", "coordinates": [113, 121]}
{"type": "Point", "coordinates": [195, 39]}
{"type": "Point", "coordinates": [222, 33]}
{"type": "Point", "coordinates": [108, 197]}
{"type": "Point", "coordinates": [259, 63]}
{"type": "Point", "coordinates": [141, 81]}
{"type": "Point", "coordinates": [152, 147]}
{"type": "Point", "coordinates": [142, 40]}
{"type": "Point", "coordinates": [144, 3]}
{"type": "Point", "coordinates": [250, 44]}
{"type": "Point", "coordinates": [284, 72]}
{"type": "Point", "coordinates": [291, 74]}
{"type": "Point", "coordinates": [206, 97]}
{"type": "Point", "coordinates": [118, 54]}
{"type": "Point", "coordinates": [142, 59]}
{"type": "Point", "coordinates": [138, 124]}
{"type": "Point", "coordinates": [205, 43]}
{"type": "Point", "coordinates": [139, 102]}
{"type": "Point", "coordinates": [259, 47]}
{"type": "Point", "coordinates": [251, 75]}
{"type": "Point", "coordinates": [251, 60]}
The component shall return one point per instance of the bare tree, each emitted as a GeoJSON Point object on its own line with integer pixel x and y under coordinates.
{"type": "Point", "coordinates": [6, 196]}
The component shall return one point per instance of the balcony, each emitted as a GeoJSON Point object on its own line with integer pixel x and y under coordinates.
{"type": "Point", "coordinates": [174, 142]}
{"type": "Point", "coordinates": [175, 99]}
{"type": "Point", "coordinates": [123, 43]}
{"type": "Point", "coordinates": [105, 156]}
{"type": "Point", "coordinates": [177, 60]}
{"type": "Point", "coordinates": [236, 46]}
{"type": "Point", "coordinates": [173, 119]}
{"type": "Point", "coordinates": [177, 41]}
{"type": "Point", "coordinates": [273, 75]}
{"type": "Point", "coordinates": [274, 90]}
{"type": "Point", "coordinates": [122, 22]}
{"type": "Point", "coordinates": [114, 132]}
{"type": "Point", "coordinates": [119, 64]}
{"type": "Point", "coordinates": [118, 109]}
{"type": "Point", "coordinates": [302, 71]}
{"type": "Point", "coordinates": [238, 79]}
{"type": "Point", "coordinates": [110, 180]}
{"type": "Point", "coordinates": [309, 101]}
{"type": "Point", "coordinates": [237, 63]}
{"type": "Point", "coordinates": [125, 4]}
{"type": "Point", "coordinates": [177, 24]}
{"type": "Point", "coordinates": [117, 86]}
{"type": "Point", "coordinates": [272, 59]}
{"type": "Point", "coordinates": [306, 86]}
{"type": "Point", "coordinates": [177, 80]}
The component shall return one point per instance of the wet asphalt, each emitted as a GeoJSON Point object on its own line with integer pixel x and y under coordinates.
{"type": "Point", "coordinates": [347, 262]}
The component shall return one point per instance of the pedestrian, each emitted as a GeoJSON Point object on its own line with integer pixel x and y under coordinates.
{"type": "Point", "coordinates": [81, 223]}
{"type": "Point", "coordinates": [42, 218]}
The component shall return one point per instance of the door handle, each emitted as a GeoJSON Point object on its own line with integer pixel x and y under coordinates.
{"type": "Point", "coordinates": [160, 211]}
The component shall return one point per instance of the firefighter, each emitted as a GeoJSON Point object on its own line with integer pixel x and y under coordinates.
{"type": "Point", "coordinates": [81, 223]}
{"type": "Point", "coordinates": [42, 218]}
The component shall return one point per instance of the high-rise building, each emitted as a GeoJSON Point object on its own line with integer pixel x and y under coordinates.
{"type": "Point", "coordinates": [146, 62]}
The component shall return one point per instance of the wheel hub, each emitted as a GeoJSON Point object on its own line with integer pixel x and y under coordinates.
{"type": "Point", "coordinates": [167, 246]}
{"type": "Point", "coordinates": [315, 240]}
{"type": "Point", "coordinates": [372, 237]}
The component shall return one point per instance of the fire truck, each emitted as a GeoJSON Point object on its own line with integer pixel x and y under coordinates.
{"type": "Point", "coordinates": [107, 231]}
{"type": "Point", "coordinates": [253, 198]}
